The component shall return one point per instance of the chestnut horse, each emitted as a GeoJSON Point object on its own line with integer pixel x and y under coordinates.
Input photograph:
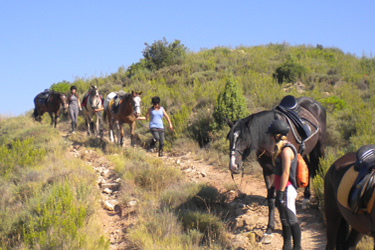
{"type": "Point", "coordinates": [338, 215]}
{"type": "Point", "coordinates": [92, 107]}
{"type": "Point", "coordinates": [249, 135]}
{"type": "Point", "coordinates": [51, 105]}
{"type": "Point", "coordinates": [127, 112]}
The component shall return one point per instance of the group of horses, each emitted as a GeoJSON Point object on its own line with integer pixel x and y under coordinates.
{"type": "Point", "coordinates": [248, 135]}
{"type": "Point", "coordinates": [129, 108]}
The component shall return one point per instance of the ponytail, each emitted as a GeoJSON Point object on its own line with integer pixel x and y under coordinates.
{"type": "Point", "coordinates": [280, 142]}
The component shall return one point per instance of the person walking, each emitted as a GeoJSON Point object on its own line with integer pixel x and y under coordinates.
{"type": "Point", "coordinates": [74, 107]}
{"type": "Point", "coordinates": [157, 112]}
{"type": "Point", "coordinates": [285, 164]}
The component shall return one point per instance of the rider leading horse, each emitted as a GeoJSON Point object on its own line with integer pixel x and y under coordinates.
{"type": "Point", "coordinates": [92, 106]}
{"type": "Point", "coordinates": [129, 108]}
{"type": "Point", "coordinates": [51, 105]}
{"type": "Point", "coordinates": [249, 135]}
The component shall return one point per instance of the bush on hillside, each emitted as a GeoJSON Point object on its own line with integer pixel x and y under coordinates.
{"type": "Point", "coordinates": [230, 104]}
{"type": "Point", "coordinates": [289, 72]}
{"type": "Point", "coordinates": [63, 87]}
{"type": "Point", "coordinates": [161, 54]}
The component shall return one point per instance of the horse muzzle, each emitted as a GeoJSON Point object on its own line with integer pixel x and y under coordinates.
{"type": "Point", "coordinates": [234, 169]}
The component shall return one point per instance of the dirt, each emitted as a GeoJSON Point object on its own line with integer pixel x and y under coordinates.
{"type": "Point", "coordinates": [249, 212]}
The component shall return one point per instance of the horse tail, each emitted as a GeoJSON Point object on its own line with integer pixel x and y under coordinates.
{"type": "Point", "coordinates": [35, 113]}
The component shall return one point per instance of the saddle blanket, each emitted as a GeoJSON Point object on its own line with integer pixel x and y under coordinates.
{"type": "Point", "coordinates": [345, 187]}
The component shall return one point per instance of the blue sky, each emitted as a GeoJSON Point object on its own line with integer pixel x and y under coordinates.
{"type": "Point", "coordinates": [45, 42]}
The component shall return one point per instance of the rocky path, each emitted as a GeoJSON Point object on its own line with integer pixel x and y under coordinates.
{"type": "Point", "coordinates": [248, 213]}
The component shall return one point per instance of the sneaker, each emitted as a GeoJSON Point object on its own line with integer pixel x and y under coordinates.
{"type": "Point", "coordinates": [151, 150]}
{"type": "Point", "coordinates": [161, 153]}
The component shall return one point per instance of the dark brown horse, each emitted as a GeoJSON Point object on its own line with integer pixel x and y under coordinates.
{"type": "Point", "coordinates": [338, 214]}
{"type": "Point", "coordinates": [50, 104]}
{"type": "Point", "coordinates": [129, 108]}
{"type": "Point", "coordinates": [249, 135]}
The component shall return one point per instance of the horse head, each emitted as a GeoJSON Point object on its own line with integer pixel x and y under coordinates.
{"type": "Point", "coordinates": [136, 103]}
{"type": "Point", "coordinates": [95, 98]}
{"type": "Point", "coordinates": [239, 145]}
{"type": "Point", "coordinates": [64, 101]}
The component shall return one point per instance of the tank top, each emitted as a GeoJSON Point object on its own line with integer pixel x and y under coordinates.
{"type": "Point", "coordinates": [73, 102]}
{"type": "Point", "coordinates": [279, 168]}
{"type": "Point", "coordinates": [156, 120]}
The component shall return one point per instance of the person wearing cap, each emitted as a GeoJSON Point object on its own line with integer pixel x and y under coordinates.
{"type": "Point", "coordinates": [74, 107]}
{"type": "Point", "coordinates": [156, 114]}
{"type": "Point", "coordinates": [285, 164]}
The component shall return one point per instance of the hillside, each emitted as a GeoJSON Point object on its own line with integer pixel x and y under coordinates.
{"type": "Point", "coordinates": [50, 178]}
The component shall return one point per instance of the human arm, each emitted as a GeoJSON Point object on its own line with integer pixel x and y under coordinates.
{"type": "Point", "coordinates": [286, 155]}
{"type": "Point", "coordinates": [145, 117]}
{"type": "Point", "coordinates": [169, 120]}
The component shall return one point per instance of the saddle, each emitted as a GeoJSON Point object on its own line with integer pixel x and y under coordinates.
{"type": "Point", "coordinates": [290, 109]}
{"type": "Point", "coordinates": [364, 184]}
{"type": "Point", "coordinates": [86, 97]}
{"type": "Point", "coordinates": [117, 100]}
{"type": "Point", "coordinates": [44, 96]}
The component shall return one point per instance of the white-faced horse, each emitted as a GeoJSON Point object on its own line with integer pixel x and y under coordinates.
{"type": "Point", "coordinates": [92, 108]}
{"type": "Point", "coordinates": [125, 109]}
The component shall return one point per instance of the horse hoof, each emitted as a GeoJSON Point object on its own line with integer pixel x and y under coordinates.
{"type": "Point", "coordinates": [267, 238]}
{"type": "Point", "coordinates": [305, 203]}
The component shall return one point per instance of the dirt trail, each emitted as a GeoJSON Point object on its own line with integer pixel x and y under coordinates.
{"type": "Point", "coordinates": [249, 213]}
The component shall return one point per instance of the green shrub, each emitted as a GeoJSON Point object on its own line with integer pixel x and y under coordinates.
{"type": "Point", "coordinates": [289, 72]}
{"type": "Point", "coordinates": [230, 104]}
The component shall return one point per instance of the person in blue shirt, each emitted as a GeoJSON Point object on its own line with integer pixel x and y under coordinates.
{"type": "Point", "coordinates": [156, 112]}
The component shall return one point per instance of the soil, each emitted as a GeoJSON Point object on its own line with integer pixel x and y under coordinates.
{"type": "Point", "coordinates": [248, 214]}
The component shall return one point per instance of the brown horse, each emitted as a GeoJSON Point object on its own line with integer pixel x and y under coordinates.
{"type": "Point", "coordinates": [249, 135]}
{"type": "Point", "coordinates": [50, 104]}
{"type": "Point", "coordinates": [338, 214]}
{"type": "Point", "coordinates": [129, 108]}
{"type": "Point", "coordinates": [92, 106]}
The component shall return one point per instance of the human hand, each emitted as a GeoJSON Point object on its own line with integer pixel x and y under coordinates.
{"type": "Point", "coordinates": [280, 197]}
{"type": "Point", "coordinates": [171, 127]}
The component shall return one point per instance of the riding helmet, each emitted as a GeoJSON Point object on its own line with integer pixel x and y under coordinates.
{"type": "Point", "coordinates": [278, 127]}
{"type": "Point", "coordinates": [155, 100]}
{"type": "Point", "coordinates": [73, 87]}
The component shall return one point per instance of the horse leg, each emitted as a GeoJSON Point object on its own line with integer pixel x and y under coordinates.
{"type": "Point", "coordinates": [111, 131]}
{"type": "Point", "coordinates": [132, 128]}
{"type": "Point", "coordinates": [118, 127]}
{"type": "Point", "coordinates": [121, 135]}
{"type": "Point", "coordinates": [52, 120]}
{"type": "Point", "coordinates": [336, 225]}
{"type": "Point", "coordinates": [266, 164]}
{"type": "Point", "coordinates": [353, 239]}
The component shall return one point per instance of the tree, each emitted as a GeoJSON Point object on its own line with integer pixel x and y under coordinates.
{"type": "Point", "coordinates": [289, 71]}
{"type": "Point", "coordinates": [63, 87]}
{"type": "Point", "coordinates": [230, 104]}
{"type": "Point", "coordinates": [161, 54]}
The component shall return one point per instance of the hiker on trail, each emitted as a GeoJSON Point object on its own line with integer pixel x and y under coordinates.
{"type": "Point", "coordinates": [285, 165]}
{"type": "Point", "coordinates": [156, 124]}
{"type": "Point", "coordinates": [74, 107]}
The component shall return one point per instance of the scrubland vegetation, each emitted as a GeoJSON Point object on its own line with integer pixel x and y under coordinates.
{"type": "Point", "coordinates": [49, 202]}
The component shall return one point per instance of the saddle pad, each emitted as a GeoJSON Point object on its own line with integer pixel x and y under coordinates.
{"type": "Point", "coordinates": [345, 187]}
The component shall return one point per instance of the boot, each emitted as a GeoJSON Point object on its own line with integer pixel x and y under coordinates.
{"type": "Point", "coordinates": [152, 145]}
{"type": "Point", "coordinates": [287, 236]}
{"type": "Point", "coordinates": [161, 152]}
{"type": "Point", "coordinates": [296, 233]}
{"type": "Point", "coordinates": [73, 128]}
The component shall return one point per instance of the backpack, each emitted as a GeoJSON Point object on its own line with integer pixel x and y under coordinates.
{"type": "Point", "coordinates": [302, 172]}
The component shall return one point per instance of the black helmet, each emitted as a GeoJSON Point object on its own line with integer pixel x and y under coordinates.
{"type": "Point", "coordinates": [73, 87]}
{"type": "Point", "coordinates": [155, 100]}
{"type": "Point", "coordinates": [278, 127]}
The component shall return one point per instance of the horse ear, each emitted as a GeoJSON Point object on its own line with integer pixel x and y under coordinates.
{"type": "Point", "coordinates": [230, 124]}
{"type": "Point", "coordinates": [140, 92]}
